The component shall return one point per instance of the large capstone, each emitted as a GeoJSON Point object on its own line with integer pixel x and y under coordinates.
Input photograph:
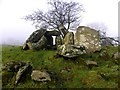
{"type": "Point", "coordinates": [36, 41]}
{"type": "Point", "coordinates": [36, 36]}
{"type": "Point", "coordinates": [89, 38]}
{"type": "Point", "coordinates": [41, 44]}
{"type": "Point", "coordinates": [52, 33]}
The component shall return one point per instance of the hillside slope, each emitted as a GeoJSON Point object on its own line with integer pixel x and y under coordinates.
{"type": "Point", "coordinates": [67, 73]}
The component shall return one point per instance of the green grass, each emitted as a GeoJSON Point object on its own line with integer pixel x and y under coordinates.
{"type": "Point", "coordinates": [79, 75]}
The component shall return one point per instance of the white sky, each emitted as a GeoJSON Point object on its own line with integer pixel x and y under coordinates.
{"type": "Point", "coordinates": [13, 29]}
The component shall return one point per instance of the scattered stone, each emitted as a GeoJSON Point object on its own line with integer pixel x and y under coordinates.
{"type": "Point", "coordinates": [13, 66]}
{"type": "Point", "coordinates": [41, 76]}
{"type": "Point", "coordinates": [68, 69]}
{"type": "Point", "coordinates": [22, 72]}
{"type": "Point", "coordinates": [71, 51]}
{"type": "Point", "coordinates": [91, 64]}
{"type": "Point", "coordinates": [89, 38]}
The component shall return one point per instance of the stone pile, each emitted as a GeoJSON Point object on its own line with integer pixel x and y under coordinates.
{"type": "Point", "coordinates": [85, 40]}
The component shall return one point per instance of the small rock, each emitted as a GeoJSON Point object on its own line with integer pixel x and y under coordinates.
{"type": "Point", "coordinates": [68, 69]}
{"type": "Point", "coordinates": [42, 76]}
{"type": "Point", "coordinates": [91, 64]}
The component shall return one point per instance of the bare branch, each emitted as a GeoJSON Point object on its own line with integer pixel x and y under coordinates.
{"type": "Point", "coordinates": [60, 13]}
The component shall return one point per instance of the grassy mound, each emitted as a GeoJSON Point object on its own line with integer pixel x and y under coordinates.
{"type": "Point", "coordinates": [65, 73]}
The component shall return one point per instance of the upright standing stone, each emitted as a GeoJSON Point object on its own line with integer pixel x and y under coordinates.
{"type": "Point", "coordinates": [88, 37]}
{"type": "Point", "coordinates": [69, 38]}
{"type": "Point", "coordinates": [58, 41]}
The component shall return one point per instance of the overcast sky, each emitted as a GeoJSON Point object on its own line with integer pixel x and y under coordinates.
{"type": "Point", "coordinates": [14, 30]}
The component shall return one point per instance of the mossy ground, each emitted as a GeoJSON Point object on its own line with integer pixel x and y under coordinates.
{"type": "Point", "coordinates": [78, 75]}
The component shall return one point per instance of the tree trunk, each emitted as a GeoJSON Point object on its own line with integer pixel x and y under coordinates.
{"type": "Point", "coordinates": [63, 30]}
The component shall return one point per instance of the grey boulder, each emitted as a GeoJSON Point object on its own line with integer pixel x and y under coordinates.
{"type": "Point", "coordinates": [41, 76]}
{"type": "Point", "coordinates": [89, 38]}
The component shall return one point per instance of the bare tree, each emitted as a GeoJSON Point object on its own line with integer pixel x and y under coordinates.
{"type": "Point", "coordinates": [61, 16]}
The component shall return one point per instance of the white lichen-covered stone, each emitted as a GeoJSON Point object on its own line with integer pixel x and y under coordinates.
{"type": "Point", "coordinates": [88, 37]}
{"type": "Point", "coordinates": [71, 51]}
{"type": "Point", "coordinates": [40, 76]}
{"type": "Point", "coordinates": [69, 38]}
